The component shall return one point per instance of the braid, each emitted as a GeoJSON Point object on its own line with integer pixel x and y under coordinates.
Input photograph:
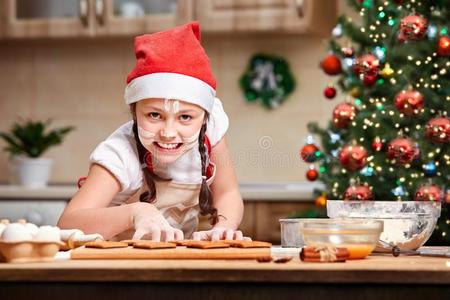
{"type": "Point", "coordinates": [205, 197]}
{"type": "Point", "coordinates": [149, 177]}
{"type": "Point", "coordinates": [150, 195]}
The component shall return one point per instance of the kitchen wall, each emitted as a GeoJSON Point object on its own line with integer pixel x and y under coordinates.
{"type": "Point", "coordinates": [81, 83]}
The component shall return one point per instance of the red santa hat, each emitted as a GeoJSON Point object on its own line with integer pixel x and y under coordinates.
{"type": "Point", "coordinates": [172, 65]}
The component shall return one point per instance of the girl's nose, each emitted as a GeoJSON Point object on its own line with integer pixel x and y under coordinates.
{"type": "Point", "coordinates": [168, 134]}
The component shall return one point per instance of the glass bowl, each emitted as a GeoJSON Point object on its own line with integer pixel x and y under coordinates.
{"type": "Point", "coordinates": [407, 225]}
{"type": "Point", "coordinates": [358, 236]}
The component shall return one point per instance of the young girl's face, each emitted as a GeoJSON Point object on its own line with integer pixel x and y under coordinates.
{"type": "Point", "coordinates": [168, 128]}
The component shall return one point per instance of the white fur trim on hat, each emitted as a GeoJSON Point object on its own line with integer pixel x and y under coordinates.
{"type": "Point", "coordinates": [171, 86]}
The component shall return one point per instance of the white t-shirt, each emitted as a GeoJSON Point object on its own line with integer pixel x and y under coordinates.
{"type": "Point", "coordinates": [118, 154]}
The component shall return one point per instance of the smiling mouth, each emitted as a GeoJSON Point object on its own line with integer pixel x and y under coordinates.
{"type": "Point", "coordinates": [168, 146]}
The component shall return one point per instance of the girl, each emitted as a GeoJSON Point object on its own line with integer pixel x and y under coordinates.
{"type": "Point", "coordinates": [155, 174]}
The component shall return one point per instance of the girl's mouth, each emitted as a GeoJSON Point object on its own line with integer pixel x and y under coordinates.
{"type": "Point", "coordinates": [168, 147]}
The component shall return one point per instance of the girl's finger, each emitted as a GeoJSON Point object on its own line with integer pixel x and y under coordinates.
{"type": "Point", "coordinates": [179, 235]}
{"type": "Point", "coordinates": [217, 234]}
{"type": "Point", "coordinates": [229, 233]}
{"type": "Point", "coordinates": [139, 234]}
{"type": "Point", "coordinates": [246, 238]}
{"type": "Point", "coordinates": [168, 234]}
{"type": "Point", "coordinates": [155, 233]}
{"type": "Point", "coordinates": [238, 235]}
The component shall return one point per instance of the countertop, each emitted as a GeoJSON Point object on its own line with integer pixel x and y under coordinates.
{"type": "Point", "coordinates": [377, 268]}
{"type": "Point", "coordinates": [269, 191]}
{"type": "Point", "coordinates": [374, 278]}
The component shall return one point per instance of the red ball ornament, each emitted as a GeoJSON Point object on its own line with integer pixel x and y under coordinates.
{"type": "Point", "coordinates": [369, 80]}
{"type": "Point", "coordinates": [308, 153]}
{"type": "Point", "coordinates": [403, 150]}
{"type": "Point", "coordinates": [360, 192]}
{"type": "Point", "coordinates": [330, 92]}
{"type": "Point", "coordinates": [409, 102]}
{"type": "Point", "coordinates": [438, 130]}
{"type": "Point", "coordinates": [413, 28]}
{"type": "Point", "coordinates": [331, 65]}
{"type": "Point", "coordinates": [430, 192]}
{"type": "Point", "coordinates": [343, 114]}
{"type": "Point", "coordinates": [312, 174]}
{"type": "Point", "coordinates": [377, 144]}
{"type": "Point", "coordinates": [447, 197]}
{"type": "Point", "coordinates": [444, 46]}
{"type": "Point", "coordinates": [367, 64]}
{"type": "Point", "coordinates": [353, 157]}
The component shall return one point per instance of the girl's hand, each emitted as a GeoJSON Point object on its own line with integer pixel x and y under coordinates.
{"type": "Point", "coordinates": [219, 233]}
{"type": "Point", "coordinates": [149, 222]}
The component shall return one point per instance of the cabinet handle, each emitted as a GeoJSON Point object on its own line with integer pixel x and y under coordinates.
{"type": "Point", "coordinates": [99, 11]}
{"type": "Point", "coordinates": [300, 5]}
{"type": "Point", "coordinates": [84, 11]}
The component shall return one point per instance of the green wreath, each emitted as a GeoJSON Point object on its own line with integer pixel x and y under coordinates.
{"type": "Point", "coordinates": [267, 79]}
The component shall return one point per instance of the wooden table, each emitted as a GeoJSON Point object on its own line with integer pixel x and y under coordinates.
{"type": "Point", "coordinates": [377, 277]}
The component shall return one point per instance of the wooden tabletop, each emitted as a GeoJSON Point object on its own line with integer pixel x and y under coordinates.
{"type": "Point", "coordinates": [374, 269]}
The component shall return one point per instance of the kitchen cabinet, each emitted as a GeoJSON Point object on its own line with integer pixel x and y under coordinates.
{"type": "Point", "coordinates": [84, 18]}
{"type": "Point", "coordinates": [280, 16]}
{"type": "Point", "coordinates": [92, 18]}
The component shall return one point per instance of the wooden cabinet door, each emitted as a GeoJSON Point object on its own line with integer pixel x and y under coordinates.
{"type": "Point", "coordinates": [129, 18]}
{"type": "Point", "coordinates": [290, 16]}
{"type": "Point", "coordinates": [47, 18]}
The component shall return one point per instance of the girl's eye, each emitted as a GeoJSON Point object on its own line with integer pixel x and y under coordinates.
{"type": "Point", "coordinates": [185, 117]}
{"type": "Point", "coordinates": [154, 115]}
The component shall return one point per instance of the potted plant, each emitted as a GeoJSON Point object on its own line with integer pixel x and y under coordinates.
{"type": "Point", "coordinates": [26, 143]}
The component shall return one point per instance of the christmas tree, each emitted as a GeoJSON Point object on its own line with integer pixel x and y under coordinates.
{"type": "Point", "coordinates": [389, 136]}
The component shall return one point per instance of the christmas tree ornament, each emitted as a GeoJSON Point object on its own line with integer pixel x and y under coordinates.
{"type": "Point", "coordinates": [267, 79]}
{"type": "Point", "coordinates": [329, 92]}
{"type": "Point", "coordinates": [369, 80]}
{"type": "Point", "coordinates": [387, 71]}
{"type": "Point", "coordinates": [337, 31]}
{"type": "Point", "coordinates": [377, 144]}
{"type": "Point", "coordinates": [430, 169]}
{"type": "Point", "coordinates": [348, 52]}
{"type": "Point", "coordinates": [343, 114]}
{"type": "Point", "coordinates": [447, 197]}
{"type": "Point", "coordinates": [380, 53]}
{"type": "Point", "coordinates": [438, 130]}
{"type": "Point", "coordinates": [359, 192]}
{"type": "Point", "coordinates": [432, 31]}
{"type": "Point", "coordinates": [355, 92]}
{"type": "Point", "coordinates": [444, 46]}
{"type": "Point", "coordinates": [353, 157]}
{"type": "Point", "coordinates": [399, 191]}
{"type": "Point", "coordinates": [312, 173]}
{"type": "Point", "coordinates": [403, 150]}
{"type": "Point", "coordinates": [331, 65]}
{"type": "Point", "coordinates": [321, 201]}
{"type": "Point", "coordinates": [412, 27]}
{"type": "Point", "coordinates": [367, 64]}
{"type": "Point", "coordinates": [429, 192]}
{"type": "Point", "coordinates": [409, 102]}
{"type": "Point", "coordinates": [310, 153]}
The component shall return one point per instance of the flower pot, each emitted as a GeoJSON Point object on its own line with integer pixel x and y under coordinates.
{"type": "Point", "coordinates": [31, 172]}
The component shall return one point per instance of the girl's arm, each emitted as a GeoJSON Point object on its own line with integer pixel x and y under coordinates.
{"type": "Point", "coordinates": [88, 210]}
{"type": "Point", "coordinates": [225, 189]}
